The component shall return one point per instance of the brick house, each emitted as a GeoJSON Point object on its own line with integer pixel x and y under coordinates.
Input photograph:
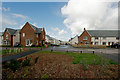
{"type": "Point", "coordinates": [11, 36]}
{"type": "Point", "coordinates": [99, 37]}
{"type": "Point", "coordinates": [31, 35]}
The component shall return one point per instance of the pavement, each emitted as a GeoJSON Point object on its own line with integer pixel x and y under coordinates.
{"type": "Point", "coordinates": [16, 56]}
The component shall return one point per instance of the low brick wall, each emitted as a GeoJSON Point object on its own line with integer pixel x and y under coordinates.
{"type": "Point", "coordinates": [89, 46]}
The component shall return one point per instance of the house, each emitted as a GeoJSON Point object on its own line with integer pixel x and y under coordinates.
{"type": "Point", "coordinates": [52, 40]}
{"type": "Point", "coordinates": [99, 37]}
{"type": "Point", "coordinates": [1, 38]}
{"type": "Point", "coordinates": [74, 40]}
{"type": "Point", "coordinates": [31, 35]}
{"type": "Point", "coordinates": [11, 36]}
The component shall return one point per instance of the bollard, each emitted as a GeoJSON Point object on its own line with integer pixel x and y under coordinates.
{"type": "Point", "coordinates": [51, 50]}
{"type": "Point", "coordinates": [93, 52]}
{"type": "Point", "coordinates": [80, 51]}
{"type": "Point", "coordinates": [67, 51]}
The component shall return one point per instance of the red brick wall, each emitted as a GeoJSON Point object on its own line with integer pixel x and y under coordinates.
{"type": "Point", "coordinates": [9, 37]}
{"type": "Point", "coordinates": [29, 34]}
{"type": "Point", "coordinates": [80, 39]}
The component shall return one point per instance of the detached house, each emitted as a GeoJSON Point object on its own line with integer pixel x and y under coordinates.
{"type": "Point", "coordinates": [31, 35]}
{"type": "Point", "coordinates": [74, 40]}
{"type": "Point", "coordinates": [11, 36]}
{"type": "Point", "coordinates": [99, 37]}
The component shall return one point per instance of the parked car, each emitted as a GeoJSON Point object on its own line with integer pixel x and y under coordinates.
{"type": "Point", "coordinates": [17, 44]}
{"type": "Point", "coordinates": [116, 45]}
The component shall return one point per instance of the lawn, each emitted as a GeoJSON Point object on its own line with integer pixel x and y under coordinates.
{"type": "Point", "coordinates": [84, 58]}
{"type": "Point", "coordinates": [47, 64]}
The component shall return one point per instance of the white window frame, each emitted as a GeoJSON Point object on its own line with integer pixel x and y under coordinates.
{"type": "Point", "coordinates": [6, 36]}
{"type": "Point", "coordinates": [37, 35]}
{"type": "Point", "coordinates": [37, 42]}
{"type": "Point", "coordinates": [85, 38]}
{"type": "Point", "coordinates": [23, 34]}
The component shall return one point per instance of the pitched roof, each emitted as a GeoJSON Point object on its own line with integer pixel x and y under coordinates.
{"type": "Point", "coordinates": [103, 33]}
{"type": "Point", "coordinates": [11, 31]}
{"type": "Point", "coordinates": [38, 30]}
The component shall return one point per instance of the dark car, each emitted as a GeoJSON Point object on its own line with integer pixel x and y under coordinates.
{"type": "Point", "coordinates": [116, 45]}
{"type": "Point", "coordinates": [17, 44]}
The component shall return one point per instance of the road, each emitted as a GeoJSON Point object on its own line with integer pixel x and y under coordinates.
{"type": "Point", "coordinates": [109, 53]}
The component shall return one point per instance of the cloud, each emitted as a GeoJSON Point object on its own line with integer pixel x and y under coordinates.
{"type": "Point", "coordinates": [89, 14]}
{"type": "Point", "coordinates": [60, 32]}
{"type": "Point", "coordinates": [20, 16]}
{"type": "Point", "coordinates": [4, 9]}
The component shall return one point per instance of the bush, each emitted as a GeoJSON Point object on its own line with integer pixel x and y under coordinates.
{"type": "Point", "coordinates": [13, 65]}
{"type": "Point", "coordinates": [36, 59]}
{"type": "Point", "coordinates": [20, 45]}
{"type": "Point", "coordinates": [26, 62]}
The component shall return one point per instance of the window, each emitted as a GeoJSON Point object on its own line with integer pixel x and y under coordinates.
{"type": "Point", "coordinates": [43, 36]}
{"type": "Point", "coordinates": [104, 37]}
{"type": "Point", "coordinates": [85, 38]}
{"type": "Point", "coordinates": [117, 38]}
{"type": "Point", "coordinates": [96, 37]}
{"type": "Point", "coordinates": [86, 43]}
{"type": "Point", "coordinates": [23, 34]}
{"type": "Point", "coordinates": [6, 36]}
{"type": "Point", "coordinates": [96, 43]}
{"type": "Point", "coordinates": [37, 42]}
{"type": "Point", "coordinates": [104, 43]}
{"type": "Point", "coordinates": [37, 35]}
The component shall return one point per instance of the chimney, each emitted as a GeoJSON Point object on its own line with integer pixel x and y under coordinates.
{"type": "Point", "coordinates": [84, 29]}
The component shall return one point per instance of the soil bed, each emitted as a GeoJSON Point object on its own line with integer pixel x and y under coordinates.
{"type": "Point", "coordinates": [60, 66]}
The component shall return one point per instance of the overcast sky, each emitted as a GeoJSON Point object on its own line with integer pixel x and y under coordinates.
{"type": "Point", "coordinates": [61, 20]}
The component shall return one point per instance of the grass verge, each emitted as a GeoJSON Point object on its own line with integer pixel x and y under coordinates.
{"type": "Point", "coordinates": [84, 58]}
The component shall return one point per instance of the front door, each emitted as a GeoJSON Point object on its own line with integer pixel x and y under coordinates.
{"type": "Point", "coordinates": [28, 42]}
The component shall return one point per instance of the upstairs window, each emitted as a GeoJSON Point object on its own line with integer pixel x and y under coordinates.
{"type": "Point", "coordinates": [85, 38]}
{"type": "Point", "coordinates": [6, 36]}
{"type": "Point", "coordinates": [43, 36]}
{"type": "Point", "coordinates": [117, 38]}
{"type": "Point", "coordinates": [96, 37]}
{"type": "Point", "coordinates": [104, 37]}
{"type": "Point", "coordinates": [37, 35]}
{"type": "Point", "coordinates": [23, 34]}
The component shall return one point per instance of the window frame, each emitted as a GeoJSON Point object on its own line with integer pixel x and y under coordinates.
{"type": "Point", "coordinates": [85, 37]}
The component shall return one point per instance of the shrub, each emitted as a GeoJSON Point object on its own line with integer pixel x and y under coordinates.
{"type": "Point", "coordinates": [36, 59]}
{"type": "Point", "coordinates": [13, 65]}
{"type": "Point", "coordinates": [26, 72]}
{"type": "Point", "coordinates": [26, 62]}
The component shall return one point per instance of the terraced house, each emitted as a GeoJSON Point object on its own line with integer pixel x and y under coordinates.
{"type": "Point", "coordinates": [99, 37]}
{"type": "Point", "coordinates": [31, 35]}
